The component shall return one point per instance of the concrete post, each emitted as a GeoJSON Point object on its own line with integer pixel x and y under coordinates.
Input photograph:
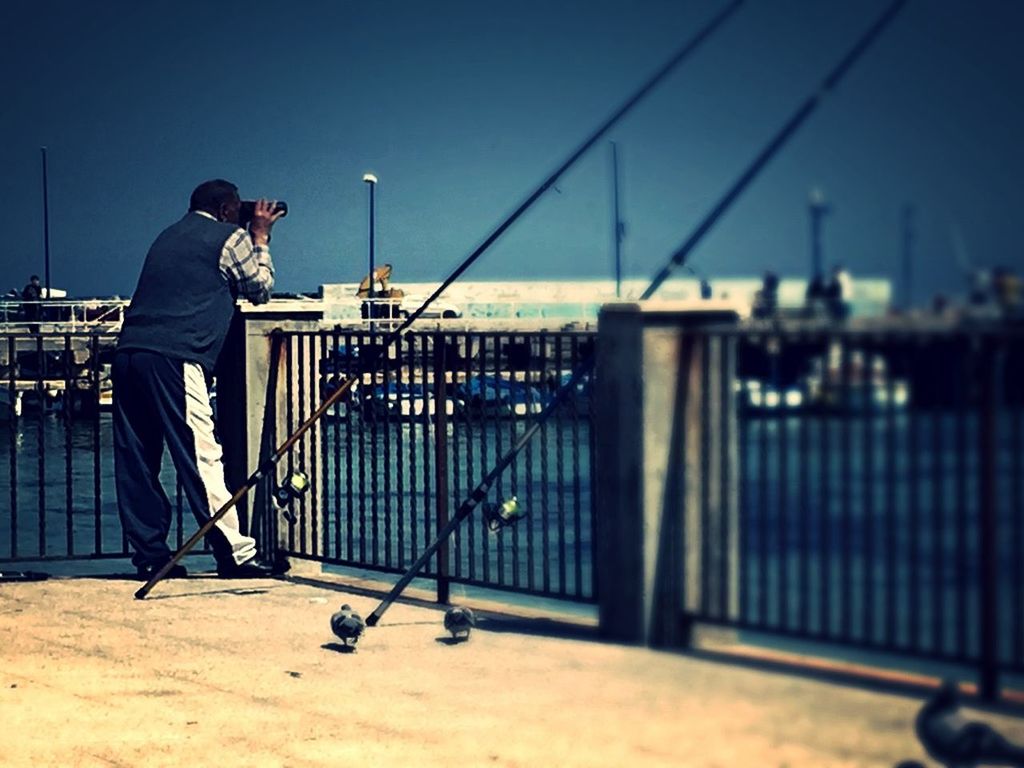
{"type": "Point", "coordinates": [665, 421]}
{"type": "Point", "coordinates": [252, 417]}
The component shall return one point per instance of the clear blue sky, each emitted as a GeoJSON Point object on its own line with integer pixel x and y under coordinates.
{"type": "Point", "coordinates": [461, 108]}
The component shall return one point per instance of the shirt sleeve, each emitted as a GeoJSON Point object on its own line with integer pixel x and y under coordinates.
{"type": "Point", "coordinates": [247, 268]}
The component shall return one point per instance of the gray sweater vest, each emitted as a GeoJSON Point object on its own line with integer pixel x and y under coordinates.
{"type": "Point", "coordinates": [183, 305]}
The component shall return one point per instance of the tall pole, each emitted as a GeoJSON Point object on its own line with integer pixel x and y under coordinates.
{"type": "Point", "coordinates": [908, 256]}
{"type": "Point", "coordinates": [818, 208]}
{"type": "Point", "coordinates": [617, 234]}
{"type": "Point", "coordinates": [46, 225]}
{"type": "Point", "coordinates": [371, 181]}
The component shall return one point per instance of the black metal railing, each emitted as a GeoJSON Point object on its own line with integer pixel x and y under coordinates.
{"type": "Point", "coordinates": [422, 425]}
{"type": "Point", "coordinates": [880, 492]}
{"type": "Point", "coordinates": [56, 445]}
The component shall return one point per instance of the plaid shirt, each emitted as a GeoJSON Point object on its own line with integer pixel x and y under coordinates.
{"type": "Point", "coordinates": [247, 268]}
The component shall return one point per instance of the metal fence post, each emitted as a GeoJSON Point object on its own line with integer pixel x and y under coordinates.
{"type": "Point", "coordinates": [988, 668]}
{"type": "Point", "coordinates": [441, 461]}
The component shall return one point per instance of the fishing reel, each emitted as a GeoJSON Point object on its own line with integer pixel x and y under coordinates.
{"type": "Point", "coordinates": [503, 515]}
{"type": "Point", "coordinates": [295, 486]}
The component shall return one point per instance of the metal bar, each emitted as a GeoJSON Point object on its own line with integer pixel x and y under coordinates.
{"type": "Point", "coordinates": [440, 461]}
{"type": "Point", "coordinates": [12, 390]}
{"type": "Point", "coordinates": [300, 366]}
{"type": "Point", "coordinates": [403, 366]}
{"type": "Point", "coordinates": [762, 516]}
{"type": "Point", "coordinates": [938, 493]}
{"type": "Point", "coordinates": [560, 478]}
{"type": "Point", "coordinates": [323, 513]}
{"type": "Point", "coordinates": [413, 479]}
{"type": "Point", "coordinates": [94, 363]}
{"type": "Point", "coordinates": [389, 420]}
{"type": "Point", "coordinates": [825, 569]}
{"type": "Point", "coordinates": [704, 594]}
{"type": "Point", "coordinates": [967, 366]}
{"type": "Point", "coordinates": [69, 416]}
{"type": "Point", "coordinates": [891, 531]}
{"type": "Point", "coordinates": [332, 377]}
{"type": "Point", "coordinates": [289, 416]}
{"type": "Point", "coordinates": [782, 518]}
{"type": "Point", "coordinates": [455, 451]}
{"type": "Point", "coordinates": [428, 504]}
{"type": "Point", "coordinates": [367, 406]}
{"type": "Point", "coordinates": [868, 492]}
{"type": "Point", "coordinates": [914, 596]}
{"type": "Point", "coordinates": [513, 473]}
{"type": "Point", "coordinates": [41, 445]}
{"type": "Point", "coordinates": [382, 405]}
{"type": "Point", "coordinates": [846, 483]}
{"type": "Point", "coordinates": [988, 454]}
{"type": "Point", "coordinates": [485, 541]}
{"type": "Point", "coordinates": [804, 485]}
{"type": "Point", "coordinates": [746, 593]}
{"type": "Point", "coordinates": [470, 466]}
{"type": "Point", "coordinates": [509, 414]}
{"type": "Point", "coordinates": [353, 409]}
{"type": "Point", "coordinates": [1017, 530]}
{"type": "Point", "coordinates": [577, 512]}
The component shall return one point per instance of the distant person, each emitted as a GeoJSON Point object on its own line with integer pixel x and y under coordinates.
{"type": "Point", "coordinates": [839, 293]}
{"type": "Point", "coordinates": [980, 288]}
{"type": "Point", "coordinates": [1007, 288]}
{"type": "Point", "coordinates": [814, 298]}
{"type": "Point", "coordinates": [766, 300]}
{"type": "Point", "coordinates": [173, 332]}
{"type": "Point", "coordinates": [705, 290]}
{"type": "Point", "coordinates": [32, 295]}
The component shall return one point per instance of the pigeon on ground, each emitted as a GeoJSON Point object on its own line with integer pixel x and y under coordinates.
{"type": "Point", "coordinates": [347, 625]}
{"type": "Point", "coordinates": [459, 621]}
{"type": "Point", "coordinates": [957, 743]}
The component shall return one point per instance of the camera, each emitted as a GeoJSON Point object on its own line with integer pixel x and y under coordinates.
{"type": "Point", "coordinates": [248, 207]}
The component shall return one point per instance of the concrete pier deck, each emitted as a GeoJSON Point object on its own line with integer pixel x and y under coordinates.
{"type": "Point", "coordinates": [246, 673]}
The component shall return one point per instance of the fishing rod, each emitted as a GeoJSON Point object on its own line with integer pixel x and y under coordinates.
{"type": "Point", "coordinates": [268, 465]}
{"type": "Point", "coordinates": [677, 259]}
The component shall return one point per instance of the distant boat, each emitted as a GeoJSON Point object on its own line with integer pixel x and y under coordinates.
{"type": "Point", "coordinates": [496, 397]}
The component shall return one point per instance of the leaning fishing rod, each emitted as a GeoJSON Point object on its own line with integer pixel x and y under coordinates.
{"type": "Point", "coordinates": [677, 259]}
{"type": "Point", "coordinates": [268, 465]}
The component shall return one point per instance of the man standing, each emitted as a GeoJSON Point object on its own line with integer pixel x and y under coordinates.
{"type": "Point", "coordinates": [32, 294]}
{"type": "Point", "coordinates": [173, 332]}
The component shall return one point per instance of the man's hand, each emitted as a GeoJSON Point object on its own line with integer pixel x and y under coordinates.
{"type": "Point", "coordinates": [263, 219]}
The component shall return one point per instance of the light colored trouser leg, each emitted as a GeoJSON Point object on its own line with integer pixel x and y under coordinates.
{"type": "Point", "coordinates": [209, 461]}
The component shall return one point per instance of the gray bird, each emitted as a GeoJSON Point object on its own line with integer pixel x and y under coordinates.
{"type": "Point", "coordinates": [957, 743]}
{"type": "Point", "coordinates": [347, 625]}
{"type": "Point", "coordinates": [459, 621]}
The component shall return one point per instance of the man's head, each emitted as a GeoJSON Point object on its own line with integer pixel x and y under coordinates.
{"type": "Point", "coordinates": [34, 280]}
{"type": "Point", "coordinates": [218, 198]}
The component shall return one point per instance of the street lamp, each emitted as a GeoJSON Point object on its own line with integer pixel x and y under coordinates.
{"type": "Point", "coordinates": [818, 208]}
{"type": "Point", "coordinates": [371, 180]}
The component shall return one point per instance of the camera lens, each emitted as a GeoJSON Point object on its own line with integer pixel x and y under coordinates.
{"type": "Point", "coordinates": [247, 208]}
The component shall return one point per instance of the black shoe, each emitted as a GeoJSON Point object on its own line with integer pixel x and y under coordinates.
{"type": "Point", "coordinates": [147, 571]}
{"type": "Point", "coordinates": [246, 570]}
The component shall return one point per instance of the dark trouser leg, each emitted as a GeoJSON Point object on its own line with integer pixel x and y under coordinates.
{"type": "Point", "coordinates": [138, 445]}
{"type": "Point", "coordinates": [181, 397]}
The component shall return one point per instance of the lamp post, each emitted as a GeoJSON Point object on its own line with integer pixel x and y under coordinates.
{"type": "Point", "coordinates": [46, 226]}
{"type": "Point", "coordinates": [371, 180]}
{"type": "Point", "coordinates": [908, 256]}
{"type": "Point", "coordinates": [818, 209]}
